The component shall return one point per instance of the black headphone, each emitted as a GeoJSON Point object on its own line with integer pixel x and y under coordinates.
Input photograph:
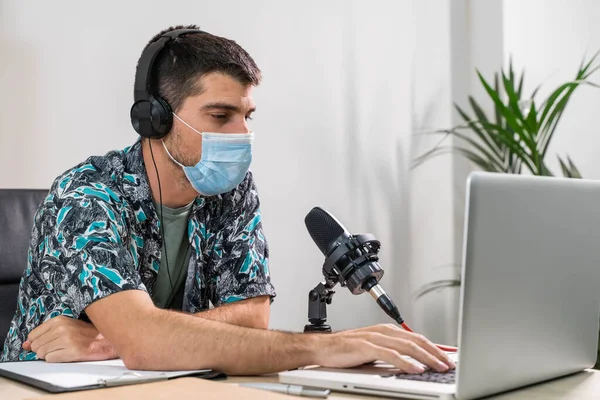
{"type": "Point", "coordinates": [151, 115]}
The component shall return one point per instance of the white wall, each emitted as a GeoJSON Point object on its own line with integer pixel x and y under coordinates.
{"type": "Point", "coordinates": [549, 38]}
{"type": "Point", "coordinates": [431, 184]}
{"type": "Point", "coordinates": [346, 84]}
{"type": "Point", "coordinates": [333, 120]}
{"type": "Point", "coordinates": [453, 38]}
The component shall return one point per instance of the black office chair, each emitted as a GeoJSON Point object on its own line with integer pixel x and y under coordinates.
{"type": "Point", "coordinates": [17, 208]}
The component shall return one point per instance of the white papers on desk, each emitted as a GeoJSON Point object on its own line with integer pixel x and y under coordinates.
{"type": "Point", "coordinates": [82, 374]}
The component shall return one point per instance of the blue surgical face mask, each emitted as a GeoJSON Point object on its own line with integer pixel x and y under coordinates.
{"type": "Point", "coordinates": [225, 159]}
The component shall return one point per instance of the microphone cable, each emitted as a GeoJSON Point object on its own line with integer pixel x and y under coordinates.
{"type": "Point", "coordinates": [439, 346]}
{"type": "Point", "coordinates": [387, 304]}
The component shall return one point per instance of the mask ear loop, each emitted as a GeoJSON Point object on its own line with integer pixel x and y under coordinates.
{"type": "Point", "coordinates": [194, 129]}
{"type": "Point", "coordinates": [188, 125]}
{"type": "Point", "coordinates": [169, 153]}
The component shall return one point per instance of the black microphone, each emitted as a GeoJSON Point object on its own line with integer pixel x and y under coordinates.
{"type": "Point", "coordinates": [351, 260]}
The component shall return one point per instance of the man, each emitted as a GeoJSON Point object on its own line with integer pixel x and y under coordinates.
{"type": "Point", "coordinates": [100, 279]}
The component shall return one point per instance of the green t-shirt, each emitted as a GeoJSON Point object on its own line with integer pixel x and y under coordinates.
{"type": "Point", "coordinates": [178, 250]}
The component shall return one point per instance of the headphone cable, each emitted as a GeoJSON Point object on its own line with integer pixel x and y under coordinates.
{"type": "Point", "coordinates": [162, 225]}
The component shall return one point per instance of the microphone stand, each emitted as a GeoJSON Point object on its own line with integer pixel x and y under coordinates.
{"type": "Point", "coordinates": [358, 270]}
{"type": "Point", "coordinates": [318, 298]}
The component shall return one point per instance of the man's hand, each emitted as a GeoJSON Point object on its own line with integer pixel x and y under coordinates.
{"type": "Point", "coordinates": [381, 342]}
{"type": "Point", "coordinates": [64, 339]}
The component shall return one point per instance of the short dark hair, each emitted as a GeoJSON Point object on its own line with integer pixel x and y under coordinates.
{"type": "Point", "coordinates": [182, 63]}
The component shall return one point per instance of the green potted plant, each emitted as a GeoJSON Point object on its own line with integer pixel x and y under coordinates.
{"type": "Point", "coordinates": [515, 139]}
{"type": "Point", "coordinates": [519, 133]}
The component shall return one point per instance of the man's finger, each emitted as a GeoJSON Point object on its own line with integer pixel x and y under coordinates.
{"type": "Point", "coordinates": [48, 337]}
{"type": "Point", "coordinates": [421, 340]}
{"type": "Point", "coordinates": [40, 330]}
{"type": "Point", "coordinates": [46, 326]}
{"type": "Point", "coordinates": [433, 349]}
{"type": "Point", "coordinates": [409, 348]}
{"type": "Point", "coordinates": [418, 353]}
{"type": "Point", "coordinates": [58, 356]}
{"type": "Point", "coordinates": [27, 345]}
{"type": "Point", "coordinates": [48, 347]}
{"type": "Point", "coordinates": [391, 356]}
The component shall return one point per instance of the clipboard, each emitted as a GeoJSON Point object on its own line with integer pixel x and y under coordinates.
{"type": "Point", "coordinates": [72, 377]}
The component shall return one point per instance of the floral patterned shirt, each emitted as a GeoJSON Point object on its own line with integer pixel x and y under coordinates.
{"type": "Point", "coordinates": [97, 233]}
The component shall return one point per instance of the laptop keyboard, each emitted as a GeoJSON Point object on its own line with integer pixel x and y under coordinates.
{"type": "Point", "coordinates": [428, 376]}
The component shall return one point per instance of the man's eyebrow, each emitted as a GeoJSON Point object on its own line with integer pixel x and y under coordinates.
{"type": "Point", "coordinates": [224, 106]}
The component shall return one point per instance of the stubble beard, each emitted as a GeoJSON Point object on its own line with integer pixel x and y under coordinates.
{"type": "Point", "coordinates": [175, 146]}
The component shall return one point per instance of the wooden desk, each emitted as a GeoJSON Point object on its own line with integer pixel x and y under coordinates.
{"type": "Point", "coordinates": [11, 390]}
{"type": "Point", "coordinates": [584, 385]}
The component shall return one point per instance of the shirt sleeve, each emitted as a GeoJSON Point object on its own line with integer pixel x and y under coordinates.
{"type": "Point", "coordinates": [239, 261]}
{"type": "Point", "coordinates": [83, 256]}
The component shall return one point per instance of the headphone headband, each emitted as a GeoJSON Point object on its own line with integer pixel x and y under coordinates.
{"type": "Point", "coordinates": [143, 76]}
{"type": "Point", "coordinates": [151, 115]}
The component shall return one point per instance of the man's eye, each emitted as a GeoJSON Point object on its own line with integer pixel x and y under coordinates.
{"type": "Point", "coordinates": [219, 117]}
{"type": "Point", "coordinates": [249, 118]}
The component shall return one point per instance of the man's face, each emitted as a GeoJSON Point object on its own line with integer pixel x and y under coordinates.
{"type": "Point", "coordinates": [224, 106]}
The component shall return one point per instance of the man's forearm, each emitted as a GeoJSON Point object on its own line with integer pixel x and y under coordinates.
{"type": "Point", "coordinates": [227, 315]}
{"type": "Point", "coordinates": [251, 313]}
{"type": "Point", "coordinates": [173, 341]}
{"type": "Point", "coordinates": [149, 338]}
{"type": "Point", "coordinates": [240, 316]}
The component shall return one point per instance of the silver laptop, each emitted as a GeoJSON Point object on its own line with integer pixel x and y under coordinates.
{"type": "Point", "coordinates": [530, 294]}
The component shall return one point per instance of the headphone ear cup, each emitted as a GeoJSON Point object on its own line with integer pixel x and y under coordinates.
{"type": "Point", "coordinates": [162, 117]}
{"type": "Point", "coordinates": [152, 118]}
{"type": "Point", "coordinates": [140, 115]}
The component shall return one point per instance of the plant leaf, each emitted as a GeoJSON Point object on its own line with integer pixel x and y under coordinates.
{"type": "Point", "coordinates": [548, 125]}
{"type": "Point", "coordinates": [519, 137]}
{"type": "Point", "coordinates": [532, 117]}
{"type": "Point", "coordinates": [548, 104]}
{"type": "Point", "coordinates": [475, 158]}
{"type": "Point", "coordinates": [507, 138]}
{"type": "Point", "coordinates": [513, 104]}
{"type": "Point", "coordinates": [520, 88]}
{"type": "Point", "coordinates": [479, 113]}
{"type": "Point", "coordinates": [496, 108]}
{"type": "Point", "coordinates": [535, 91]}
{"type": "Point", "coordinates": [545, 171]}
{"type": "Point", "coordinates": [488, 137]}
{"type": "Point", "coordinates": [510, 118]}
{"type": "Point", "coordinates": [584, 70]}
{"type": "Point", "coordinates": [564, 167]}
{"type": "Point", "coordinates": [569, 169]}
{"type": "Point", "coordinates": [494, 158]}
